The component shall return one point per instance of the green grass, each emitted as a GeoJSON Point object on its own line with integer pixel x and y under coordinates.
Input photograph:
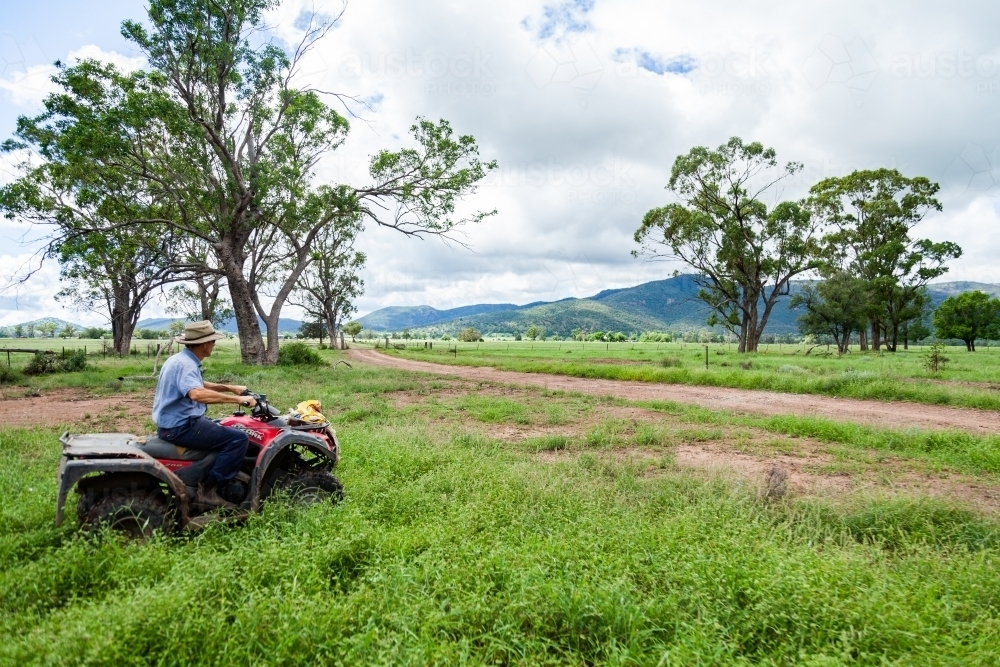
{"type": "Point", "coordinates": [967, 380]}
{"type": "Point", "coordinates": [454, 547]}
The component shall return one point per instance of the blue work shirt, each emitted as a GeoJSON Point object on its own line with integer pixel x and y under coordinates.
{"type": "Point", "coordinates": [180, 374]}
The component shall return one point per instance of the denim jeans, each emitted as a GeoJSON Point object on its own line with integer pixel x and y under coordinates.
{"type": "Point", "coordinates": [204, 434]}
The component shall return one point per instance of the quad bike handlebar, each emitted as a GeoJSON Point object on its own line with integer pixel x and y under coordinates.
{"type": "Point", "coordinates": [263, 410]}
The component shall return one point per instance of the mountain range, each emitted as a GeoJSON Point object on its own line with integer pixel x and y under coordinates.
{"type": "Point", "coordinates": [661, 305]}
{"type": "Point", "coordinates": [229, 326]}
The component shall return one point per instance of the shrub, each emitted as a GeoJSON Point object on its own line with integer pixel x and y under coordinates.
{"type": "Point", "coordinates": [299, 354]}
{"type": "Point", "coordinates": [934, 360]}
{"type": "Point", "coordinates": [74, 361]}
{"type": "Point", "coordinates": [670, 362]}
{"type": "Point", "coordinates": [41, 364]}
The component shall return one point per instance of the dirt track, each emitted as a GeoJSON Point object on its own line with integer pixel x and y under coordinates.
{"type": "Point", "coordinates": [874, 413]}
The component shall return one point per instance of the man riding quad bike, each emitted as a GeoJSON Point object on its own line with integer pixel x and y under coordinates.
{"type": "Point", "coordinates": [196, 469]}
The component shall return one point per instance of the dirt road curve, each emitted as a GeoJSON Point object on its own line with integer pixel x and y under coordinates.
{"type": "Point", "coordinates": [894, 415]}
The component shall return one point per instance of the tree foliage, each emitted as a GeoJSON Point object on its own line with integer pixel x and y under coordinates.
{"type": "Point", "coordinates": [874, 213]}
{"type": "Point", "coordinates": [469, 335]}
{"type": "Point", "coordinates": [352, 329]}
{"type": "Point", "coordinates": [968, 316]}
{"type": "Point", "coordinates": [745, 253]}
{"type": "Point", "coordinates": [835, 307]}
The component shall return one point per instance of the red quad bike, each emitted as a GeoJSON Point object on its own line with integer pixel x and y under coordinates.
{"type": "Point", "coordinates": [141, 484]}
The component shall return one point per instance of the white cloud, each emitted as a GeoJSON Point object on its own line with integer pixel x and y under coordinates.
{"type": "Point", "coordinates": [94, 52]}
{"type": "Point", "coordinates": [27, 85]}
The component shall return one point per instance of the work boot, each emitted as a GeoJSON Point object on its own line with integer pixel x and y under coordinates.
{"type": "Point", "coordinates": [208, 498]}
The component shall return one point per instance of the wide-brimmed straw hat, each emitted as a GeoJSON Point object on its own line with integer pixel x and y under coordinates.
{"type": "Point", "coordinates": [196, 333]}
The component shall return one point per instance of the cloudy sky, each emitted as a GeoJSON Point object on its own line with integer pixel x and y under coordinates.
{"type": "Point", "coordinates": [585, 104]}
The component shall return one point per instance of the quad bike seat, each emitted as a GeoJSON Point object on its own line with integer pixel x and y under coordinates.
{"type": "Point", "coordinates": [159, 448]}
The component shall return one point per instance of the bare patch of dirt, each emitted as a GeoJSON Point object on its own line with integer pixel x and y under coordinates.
{"type": "Point", "coordinates": [453, 389]}
{"type": "Point", "coordinates": [875, 413]}
{"type": "Point", "coordinates": [70, 407]}
{"type": "Point", "coordinates": [810, 471]}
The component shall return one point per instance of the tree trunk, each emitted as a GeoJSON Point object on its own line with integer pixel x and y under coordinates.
{"type": "Point", "coordinates": [876, 343]}
{"type": "Point", "coordinates": [862, 340]}
{"type": "Point", "coordinates": [970, 346]}
{"type": "Point", "coordinates": [330, 318]}
{"type": "Point", "coordinates": [124, 315]}
{"type": "Point", "coordinates": [252, 348]}
{"type": "Point", "coordinates": [842, 341]}
{"type": "Point", "coordinates": [273, 342]}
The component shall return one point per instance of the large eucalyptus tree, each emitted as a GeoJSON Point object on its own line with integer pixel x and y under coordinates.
{"type": "Point", "coordinates": [744, 253]}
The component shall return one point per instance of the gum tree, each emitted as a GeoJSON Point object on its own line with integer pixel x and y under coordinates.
{"type": "Point", "coordinates": [874, 213]}
{"type": "Point", "coordinates": [326, 290]}
{"type": "Point", "coordinates": [744, 253]}
{"type": "Point", "coordinates": [256, 140]}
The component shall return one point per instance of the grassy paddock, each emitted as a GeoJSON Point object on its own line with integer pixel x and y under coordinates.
{"type": "Point", "coordinates": [968, 379]}
{"type": "Point", "coordinates": [455, 546]}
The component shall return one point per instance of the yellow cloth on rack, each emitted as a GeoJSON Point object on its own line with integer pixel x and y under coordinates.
{"type": "Point", "coordinates": [308, 412]}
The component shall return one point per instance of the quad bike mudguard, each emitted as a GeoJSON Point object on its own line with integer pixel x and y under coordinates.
{"type": "Point", "coordinates": [280, 445]}
{"type": "Point", "coordinates": [117, 454]}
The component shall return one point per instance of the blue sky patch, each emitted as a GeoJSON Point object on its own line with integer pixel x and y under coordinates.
{"type": "Point", "coordinates": [656, 64]}
{"type": "Point", "coordinates": [561, 19]}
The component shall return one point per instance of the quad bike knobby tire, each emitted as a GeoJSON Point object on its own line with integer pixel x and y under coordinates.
{"type": "Point", "coordinates": [312, 487]}
{"type": "Point", "coordinates": [136, 513]}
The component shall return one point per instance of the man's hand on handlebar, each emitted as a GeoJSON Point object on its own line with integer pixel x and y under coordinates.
{"type": "Point", "coordinates": [212, 396]}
